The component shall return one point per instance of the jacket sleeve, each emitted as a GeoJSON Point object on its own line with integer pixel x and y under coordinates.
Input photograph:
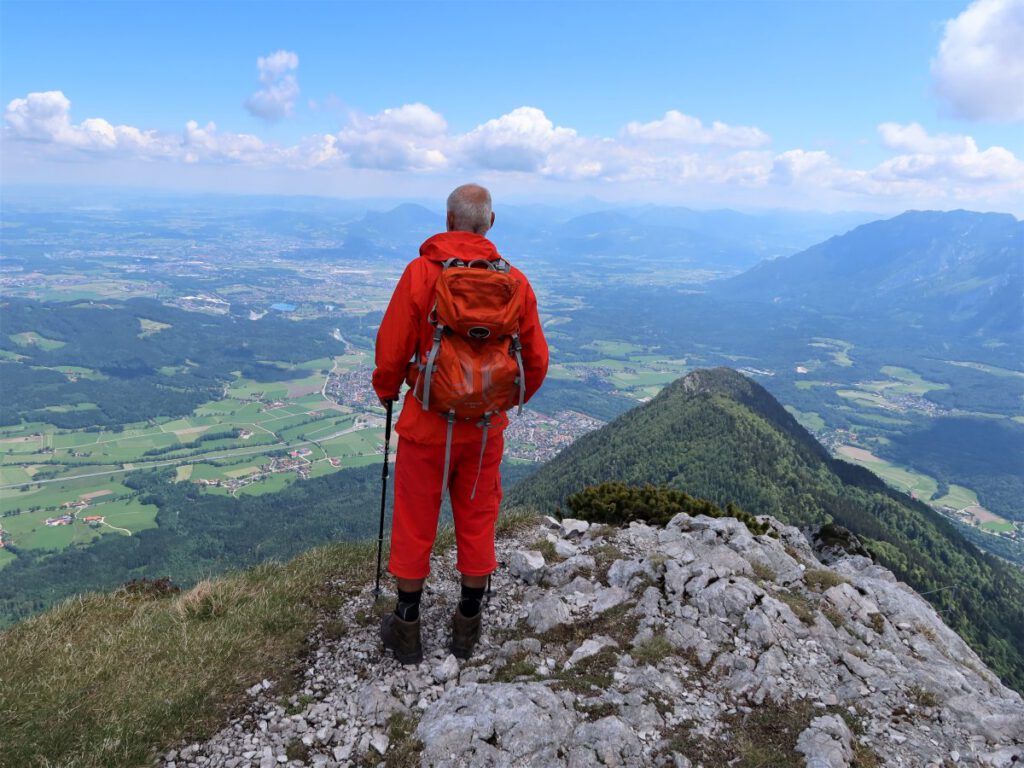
{"type": "Point", "coordinates": [397, 339]}
{"type": "Point", "coordinates": [535, 346]}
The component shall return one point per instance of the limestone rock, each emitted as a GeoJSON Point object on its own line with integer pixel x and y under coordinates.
{"type": "Point", "coordinates": [548, 613]}
{"type": "Point", "coordinates": [527, 565]}
{"type": "Point", "coordinates": [826, 743]}
{"type": "Point", "coordinates": [572, 527]}
{"type": "Point", "coordinates": [496, 724]}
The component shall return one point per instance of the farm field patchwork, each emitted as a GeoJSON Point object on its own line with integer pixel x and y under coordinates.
{"type": "Point", "coordinates": [919, 485]}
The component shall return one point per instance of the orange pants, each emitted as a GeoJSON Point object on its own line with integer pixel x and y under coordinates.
{"type": "Point", "coordinates": [418, 471]}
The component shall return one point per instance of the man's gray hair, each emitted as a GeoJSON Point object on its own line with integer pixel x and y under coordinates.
{"type": "Point", "coordinates": [470, 207]}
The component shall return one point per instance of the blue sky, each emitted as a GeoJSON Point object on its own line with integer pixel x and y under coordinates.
{"type": "Point", "coordinates": [878, 105]}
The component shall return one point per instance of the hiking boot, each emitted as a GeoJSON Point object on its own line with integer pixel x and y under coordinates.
{"type": "Point", "coordinates": [402, 637]}
{"type": "Point", "coordinates": [465, 634]}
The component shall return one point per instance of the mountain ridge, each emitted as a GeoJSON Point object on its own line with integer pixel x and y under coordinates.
{"type": "Point", "coordinates": [963, 268]}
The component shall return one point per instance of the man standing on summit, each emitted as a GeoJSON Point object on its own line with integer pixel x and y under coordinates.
{"type": "Point", "coordinates": [462, 330]}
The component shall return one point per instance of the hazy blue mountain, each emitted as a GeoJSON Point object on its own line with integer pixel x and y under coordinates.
{"type": "Point", "coordinates": [958, 269]}
{"type": "Point", "coordinates": [769, 233]}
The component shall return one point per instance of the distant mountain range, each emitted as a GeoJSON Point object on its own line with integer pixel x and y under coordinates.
{"type": "Point", "coordinates": [958, 269]}
{"type": "Point", "coordinates": [724, 241]}
{"type": "Point", "coordinates": [718, 435]}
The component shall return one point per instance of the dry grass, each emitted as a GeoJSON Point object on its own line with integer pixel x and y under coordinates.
{"type": "Point", "coordinates": [108, 680]}
{"type": "Point", "coordinates": [802, 608]}
{"type": "Point", "coordinates": [820, 579]}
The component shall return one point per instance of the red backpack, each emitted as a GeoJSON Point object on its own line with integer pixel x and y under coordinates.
{"type": "Point", "coordinates": [474, 367]}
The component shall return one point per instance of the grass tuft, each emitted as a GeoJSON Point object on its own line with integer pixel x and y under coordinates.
{"type": "Point", "coordinates": [821, 579]}
{"type": "Point", "coordinates": [652, 650]}
{"type": "Point", "coordinates": [802, 607]}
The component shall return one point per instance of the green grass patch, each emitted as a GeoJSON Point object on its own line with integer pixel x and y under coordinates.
{"type": "Point", "coordinates": [907, 480]}
{"type": "Point", "coordinates": [77, 371]}
{"type": "Point", "coordinates": [116, 679]}
{"type": "Point", "coordinates": [149, 327]}
{"type": "Point", "coordinates": [809, 420]}
{"type": "Point", "coordinates": [957, 497]}
{"type": "Point", "coordinates": [6, 558]}
{"type": "Point", "coordinates": [269, 484]}
{"type": "Point", "coordinates": [997, 527]}
{"type": "Point", "coordinates": [810, 384]}
{"type": "Point", "coordinates": [866, 417]}
{"type": "Point", "coordinates": [13, 475]}
{"type": "Point", "coordinates": [910, 382]}
{"type": "Point", "coordinates": [614, 348]}
{"type": "Point", "coordinates": [990, 369]}
{"type": "Point", "coordinates": [864, 398]}
{"type": "Point", "coordinates": [839, 349]}
{"type": "Point", "coordinates": [33, 339]}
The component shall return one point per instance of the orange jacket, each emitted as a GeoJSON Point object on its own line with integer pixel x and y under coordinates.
{"type": "Point", "coordinates": [406, 332]}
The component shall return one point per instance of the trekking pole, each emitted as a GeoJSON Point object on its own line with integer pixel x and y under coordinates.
{"type": "Point", "coordinates": [383, 493]}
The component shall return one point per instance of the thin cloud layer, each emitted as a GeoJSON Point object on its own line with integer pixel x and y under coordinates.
{"type": "Point", "coordinates": [979, 69]}
{"type": "Point", "coordinates": [276, 99]}
{"type": "Point", "coordinates": [677, 151]}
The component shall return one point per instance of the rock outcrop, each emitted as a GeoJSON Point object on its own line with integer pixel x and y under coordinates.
{"type": "Point", "coordinates": [693, 645]}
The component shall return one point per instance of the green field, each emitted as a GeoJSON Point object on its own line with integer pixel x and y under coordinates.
{"type": "Point", "coordinates": [837, 348]}
{"type": "Point", "coordinates": [149, 327]}
{"type": "Point", "coordinates": [33, 339]}
{"type": "Point", "coordinates": [907, 480]}
{"type": "Point", "coordinates": [997, 527]}
{"type": "Point", "coordinates": [809, 420]}
{"type": "Point", "coordinates": [74, 370]}
{"type": "Point", "coordinates": [877, 418]}
{"type": "Point", "coordinates": [908, 382]}
{"type": "Point", "coordinates": [992, 369]}
{"type": "Point", "coordinates": [808, 384]}
{"type": "Point", "coordinates": [614, 348]}
{"type": "Point", "coordinates": [6, 558]}
{"type": "Point", "coordinates": [52, 495]}
{"type": "Point", "coordinates": [29, 531]}
{"type": "Point", "coordinates": [864, 398]}
{"type": "Point", "coordinates": [958, 497]}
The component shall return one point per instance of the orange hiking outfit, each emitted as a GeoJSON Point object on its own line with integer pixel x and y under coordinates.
{"type": "Point", "coordinates": [406, 335]}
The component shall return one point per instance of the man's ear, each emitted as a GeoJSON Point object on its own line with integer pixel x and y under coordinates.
{"type": "Point", "coordinates": [492, 219]}
{"type": "Point", "coordinates": [450, 221]}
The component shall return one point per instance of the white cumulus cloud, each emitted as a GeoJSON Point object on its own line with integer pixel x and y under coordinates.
{"type": "Point", "coordinates": [979, 68]}
{"type": "Point", "coordinates": [276, 99]}
{"type": "Point", "coordinates": [412, 137]}
{"type": "Point", "coordinates": [685, 129]}
{"type": "Point", "coordinates": [678, 152]}
{"type": "Point", "coordinates": [46, 117]}
{"type": "Point", "coordinates": [522, 140]}
{"type": "Point", "coordinates": [945, 157]}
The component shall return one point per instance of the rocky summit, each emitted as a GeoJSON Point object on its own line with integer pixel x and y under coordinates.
{"type": "Point", "coordinates": [696, 644]}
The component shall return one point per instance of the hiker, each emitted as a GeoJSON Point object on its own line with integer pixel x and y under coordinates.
{"type": "Point", "coordinates": [451, 425]}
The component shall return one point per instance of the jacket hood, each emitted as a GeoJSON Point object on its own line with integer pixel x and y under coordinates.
{"type": "Point", "coordinates": [460, 245]}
